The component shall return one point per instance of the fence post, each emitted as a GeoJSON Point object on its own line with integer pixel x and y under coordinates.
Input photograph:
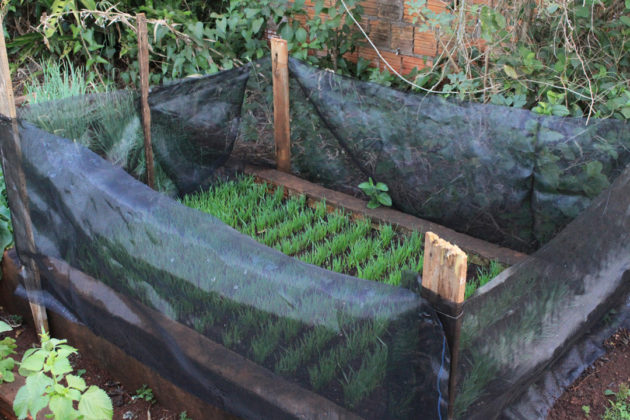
{"type": "Point", "coordinates": [444, 285]}
{"type": "Point", "coordinates": [18, 197]}
{"type": "Point", "coordinates": [143, 61]}
{"type": "Point", "coordinates": [281, 116]}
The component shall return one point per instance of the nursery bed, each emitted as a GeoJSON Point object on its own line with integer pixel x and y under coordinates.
{"type": "Point", "coordinates": [309, 228]}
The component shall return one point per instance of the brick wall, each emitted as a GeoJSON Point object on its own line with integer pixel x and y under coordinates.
{"type": "Point", "coordinates": [390, 26]}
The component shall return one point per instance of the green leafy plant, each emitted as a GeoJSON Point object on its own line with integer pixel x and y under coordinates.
{"type": "Point", "coordinates": [50, 383]}
{"type": "Point", "coordinates": [144, 393]}
{"type": "Point", "coordinates": [586, 409]}
{"type": "Point", "coordinates": [6, 229]}
{"type": "Point", "coordinates": [377, 194]}
{"type": "Point", "coordinates": [184, 416]}
{"type": "Point", "coordinates": [619, 409]}
{"type": "Point", "coordinates": [553, 106]}
{"type": "Point", "coordinates": [7, 348]}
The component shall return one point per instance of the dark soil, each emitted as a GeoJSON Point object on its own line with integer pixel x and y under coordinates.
{"type": "Point", "coordinates": [608, 372]}
{"type": "Point", "coordinates": [125, 407]}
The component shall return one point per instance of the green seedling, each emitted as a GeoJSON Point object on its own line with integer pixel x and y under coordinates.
{"type": "Point", "coordinates": [50, 383]}
{"type": "Point", "coordinates": [377, 193]}
{"type": "Point", "coordinates": [358, 385]}
{"type": "Point", "coordinates": [144, 393]}
{"type": "Point", "coordinates": [386, 235]}
{"type": "Point", "coordinates": [322, 373]}
{"type": "Point", "coordinates": [232, 337]}
{"type": "Point", "coordinates": [184, 416]}
{"type": "Point", "coordinates": [619, 409]}
{"type": "Point", "coordinates": [7, 348]}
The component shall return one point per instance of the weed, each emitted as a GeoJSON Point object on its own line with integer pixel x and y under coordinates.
{"type": "Point", "coordinates": [620, 408]}
{"type": "Point", "coordinates": [184, 416]}
{"type": "Point", "coordinates": [47, 369]}
{"type": "Point", "coordinates": [7, 348]}
{"type": "Point", "coordinates": [144, 393]}
{"type": "Point", "coordinates": [377, 193]}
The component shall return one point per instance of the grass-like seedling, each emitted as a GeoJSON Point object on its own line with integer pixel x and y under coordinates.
{"type": "Point", "coordinates": [359, 384]}
{"type": "Point", "coordinates": [484, 275]}
{"type": "Point", "coordinates": [333, 240]}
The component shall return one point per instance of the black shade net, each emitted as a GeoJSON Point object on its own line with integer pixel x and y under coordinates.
{"type": "Point", "coordinates": [501, 174]}
{"type": "Point", "coordinates": [368, 349]}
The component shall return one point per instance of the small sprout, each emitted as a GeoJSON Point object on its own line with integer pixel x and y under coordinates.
{"type": "Point", "coordinates": [144, 393]}
{"type": "Point", "coordinates": [377, 193]}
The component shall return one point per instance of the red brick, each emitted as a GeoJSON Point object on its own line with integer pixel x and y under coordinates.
{"type": "Point", "coordinates": [424, 43]}
{"type": "Point", "coordinates": [392, 58]}
{"type": "Point", "coordinates": [409, 63]}
{"type": "Point", "coordinates": [370, 8]}
{"type": "Point", "coordinates": [391, 10]}
{"type": "Point", "coordinates": [402, 38]}
{"type": "Point", "coordinates": [380, 33]}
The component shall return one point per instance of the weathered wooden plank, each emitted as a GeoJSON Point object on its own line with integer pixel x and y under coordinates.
{"type": "Point", "coordinates": [143, 61]}
{"type": "Point", "coordinates": [281, 117]}
{"type": "Point", "coordinates": [18, 197]}
{"type": "Point", "coordinates": [482, 251]}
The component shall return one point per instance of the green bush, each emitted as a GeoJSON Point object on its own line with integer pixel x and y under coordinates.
{"type": "Point", "coordinates": [195, 37]}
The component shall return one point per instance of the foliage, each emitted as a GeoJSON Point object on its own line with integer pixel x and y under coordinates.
{"type": "Point", "coordinates": [377, 194]}
{"type": "Point", "coordinates": [620, 408]}
{"type": "Point", "coordinates": [191, 38]}
{"type": "Point", "coordinates": [7, 348]}
{"type": "Point", "coordinates": [6, 229]}
{"type": "Point", "coordinates": [50, 383]}
{"type": "Point", "coordinates": [60, 80]}
{"type": "Point", "coordinates": [144, 393]}
{"type": "Point", "coordinates": [562, 58]}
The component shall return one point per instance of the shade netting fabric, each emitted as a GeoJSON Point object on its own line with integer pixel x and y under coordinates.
{"type": "Point", "coordinates": [502, 174]}
{"type": "Point", "coordinates": [122, 258]}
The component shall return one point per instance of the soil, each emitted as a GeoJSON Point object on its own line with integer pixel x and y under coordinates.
{"type": "Point", "coordinates": [125, 406]}
{"type": "Point", "coordinates": [608, 372]}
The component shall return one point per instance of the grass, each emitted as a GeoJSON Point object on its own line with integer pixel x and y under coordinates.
{"type": "Point", "coordinates": [60, 80]}
{"type": "Point", "coordinates": [108, 123]}
{"type": "Point", "coordinates": [619, 409]}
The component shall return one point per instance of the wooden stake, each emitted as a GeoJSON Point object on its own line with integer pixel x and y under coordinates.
{"type": "Point", "coordinates": [444, 284]}
{"type": "Point", "coordinates": [17, 195]}
{"type": "Point", "coordinates": [281, 117]}
{"type": "Point", "coordinates": [143, 60]}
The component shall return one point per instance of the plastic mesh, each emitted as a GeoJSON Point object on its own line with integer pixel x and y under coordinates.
{"type": "Point", "coordinates": [501, 174]}
{"type": "Point", "coordinates": [498, 173]}
{"type": "Point", "coordinates": [374, 349]}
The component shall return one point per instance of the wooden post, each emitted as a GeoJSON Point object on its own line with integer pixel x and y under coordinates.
{"type": "Point", "coordinates": [281, 116]}
{"type": "Point", "coordinates": [143, 61]}
{"type": "Point", "coordinates": [17, 195]}
{"type": "Point", "coordinates": [444, 285]}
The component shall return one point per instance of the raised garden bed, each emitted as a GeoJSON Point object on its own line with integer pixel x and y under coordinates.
{"type": "Point", "coordinates": [317, 234]}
